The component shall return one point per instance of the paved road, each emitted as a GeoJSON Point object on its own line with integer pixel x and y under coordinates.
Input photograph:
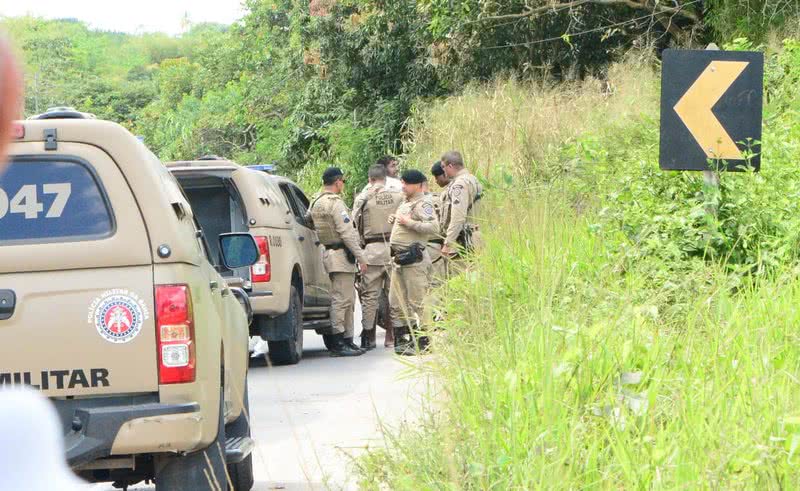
{"type": "Point", "coordinates": [312, 419]}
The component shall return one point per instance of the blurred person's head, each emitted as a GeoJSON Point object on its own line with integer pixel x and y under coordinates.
{"type": "Point", "coordinates": [390, 162]}
{"type": "Point", "coordinates": [32, 449]}
{"type": "Point", "coordinates": [10, 95]}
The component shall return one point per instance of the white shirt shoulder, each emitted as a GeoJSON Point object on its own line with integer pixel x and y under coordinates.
{"type": "Point", "coordinates": [394, 184]}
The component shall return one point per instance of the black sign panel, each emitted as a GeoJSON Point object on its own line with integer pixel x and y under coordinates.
{"type": "Point", "coordinates": [711, 106]}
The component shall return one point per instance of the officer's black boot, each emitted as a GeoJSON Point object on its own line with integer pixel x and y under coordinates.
{"type": "Point", "coordinates": [402, 340]}
{"type": "Point", "coordinates": [349, 342]}
{"type": "Point", "coordinates": [328, 340]}
{"type": "Point", "coordinates": [368, 340]}
{"type": "Point", "coordinates": [338, 347]}
{"type": "Point", "coordinates": [423, 343]}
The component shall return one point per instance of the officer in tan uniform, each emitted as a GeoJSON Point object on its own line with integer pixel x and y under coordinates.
{"type": "Point", "coordinates": [342, 252]}
{"type": "Point", "coordinates": [437, 171]}
{"type": "Point", "coordinates": [460, 207]}
{"type": "Point", "coordinates": [438, 268]}
{"type": "Point", "coordinates": [371, 211]}
{"type": "Point", "coordinates": [413, 225]}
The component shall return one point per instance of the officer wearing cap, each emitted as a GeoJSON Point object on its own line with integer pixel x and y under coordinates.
{"type": "Point", "coordinates": [371, 211]}
{"type": "Point", "coordinates": [438, 263]}
{"type": "Point", "coordinates": [413, 225]}
{"type": "Point", "coordinates": [460, 207]}
{"type": "Point", "coordinates": [342, 252]}
{"type": "Point", "coordinates": [437, 171]}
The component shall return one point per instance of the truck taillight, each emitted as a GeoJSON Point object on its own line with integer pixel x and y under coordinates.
{"type": "Point", "coordinates": [175, 334]}
{"type": "Point", "coordinates": [17, 131]}
{"type": "Point", "coordinates": [261, 271]}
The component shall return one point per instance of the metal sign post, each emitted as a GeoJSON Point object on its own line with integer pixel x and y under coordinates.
{"type": "Point", "coordinates": [711, 177]}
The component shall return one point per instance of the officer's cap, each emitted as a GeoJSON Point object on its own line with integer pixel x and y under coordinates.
{"type": "Point", "coordinates": [413, 176]}
{"type": "Point", "coordinates": [437, 169]}
{"type": "Point", "coordinates": [331, 175]}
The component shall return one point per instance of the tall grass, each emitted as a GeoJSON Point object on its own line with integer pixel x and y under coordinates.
{"type": "Point", "coordinates": [559, 374]}
{"type": "Point", "coordinates": [520, 127]}
{"type": "Point", "coordinates": [573, 355]}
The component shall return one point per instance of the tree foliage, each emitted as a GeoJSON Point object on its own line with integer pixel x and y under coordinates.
{"type": "Point", "coordinates": [334, 81]}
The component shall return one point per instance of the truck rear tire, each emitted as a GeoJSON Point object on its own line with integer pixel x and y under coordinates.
{"type": "Point", "coordinates": [241, 474]}
{"type": "Point", "coordinates": [192, 472]}
{"type": "Point", "coordinates": [289, 352]}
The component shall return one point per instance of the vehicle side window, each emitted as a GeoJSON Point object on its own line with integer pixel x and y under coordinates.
{"type": "Point", "coordinates": [292, 204]}
{"type": "Point", "coordinates": [302, 201]}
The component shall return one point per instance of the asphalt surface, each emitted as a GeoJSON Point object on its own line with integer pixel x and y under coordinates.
{"type": "Point", "coordinates": [311, 421]}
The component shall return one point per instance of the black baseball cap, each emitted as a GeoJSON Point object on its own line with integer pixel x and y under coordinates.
{"type": "Point", "coordinates": [331, 175]}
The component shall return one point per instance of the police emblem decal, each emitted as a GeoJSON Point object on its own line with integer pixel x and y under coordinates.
{"type": "Point", "coordinates": [118, 315]}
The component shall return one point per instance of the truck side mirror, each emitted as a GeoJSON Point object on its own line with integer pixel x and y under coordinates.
{"type": "Point", "coordinates": [238, 250]}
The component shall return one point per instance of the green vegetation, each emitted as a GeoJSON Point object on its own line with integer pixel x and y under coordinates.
{"type": "Point", "coordinates": [611, 334]}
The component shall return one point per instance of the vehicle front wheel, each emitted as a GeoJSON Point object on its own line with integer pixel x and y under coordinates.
{"type": "Point", "coordinates": [289, 352]}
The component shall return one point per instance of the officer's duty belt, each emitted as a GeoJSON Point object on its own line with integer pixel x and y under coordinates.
{"type": "Point", "coordinates": [436, 241]}
{"type": "Point", "coordinates": [380, 239]}
{"type": "Point", "coordinates": [335, 247]}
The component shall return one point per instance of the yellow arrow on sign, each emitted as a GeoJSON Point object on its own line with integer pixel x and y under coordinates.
{"type": "Point", "coordinates": [694, 109]}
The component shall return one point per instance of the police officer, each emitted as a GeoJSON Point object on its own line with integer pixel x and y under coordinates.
{"type": "Point", "coordinates": [342, 251]}
{"type": "Point", "coordinates": [460, 207]}
{"type": "Point", "coordinates": [413, 225]}
{"type": "Point", "coordinates": [438, 268]}
{"type": "Point", "coordinates": [371, 211]}
{"type": "Point", "coordinates": [437, 171]}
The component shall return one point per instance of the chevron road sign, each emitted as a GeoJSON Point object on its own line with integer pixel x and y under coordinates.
{"type": "Point", "coordinates": [711, 105]}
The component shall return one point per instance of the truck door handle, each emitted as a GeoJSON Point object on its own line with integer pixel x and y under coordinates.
{"type": "Point", "coordinates": [301, 238]}
{"type": "Point", "coordinates": [317, 243]}
{"type": "Point", "coordinates": [214, 285]}
{"type": "Point", "coordinates": [8, 302]}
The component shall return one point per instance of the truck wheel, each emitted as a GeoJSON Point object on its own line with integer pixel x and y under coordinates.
{"type": "Point", "coordinates": [192, 472]}
{"type": "Point", "coordinates": [289, 352]}
{"type": "Point", "coordinates": [242, 473]}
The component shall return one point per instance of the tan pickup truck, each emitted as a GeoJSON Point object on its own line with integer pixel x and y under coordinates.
{"type": "Point", "coordinates": [288, 287]}
{"type": "Point", "coordinates": [110, 307]}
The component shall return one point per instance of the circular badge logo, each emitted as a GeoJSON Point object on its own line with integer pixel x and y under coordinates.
{"type": "Point", "coordinates": [118, 318]}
